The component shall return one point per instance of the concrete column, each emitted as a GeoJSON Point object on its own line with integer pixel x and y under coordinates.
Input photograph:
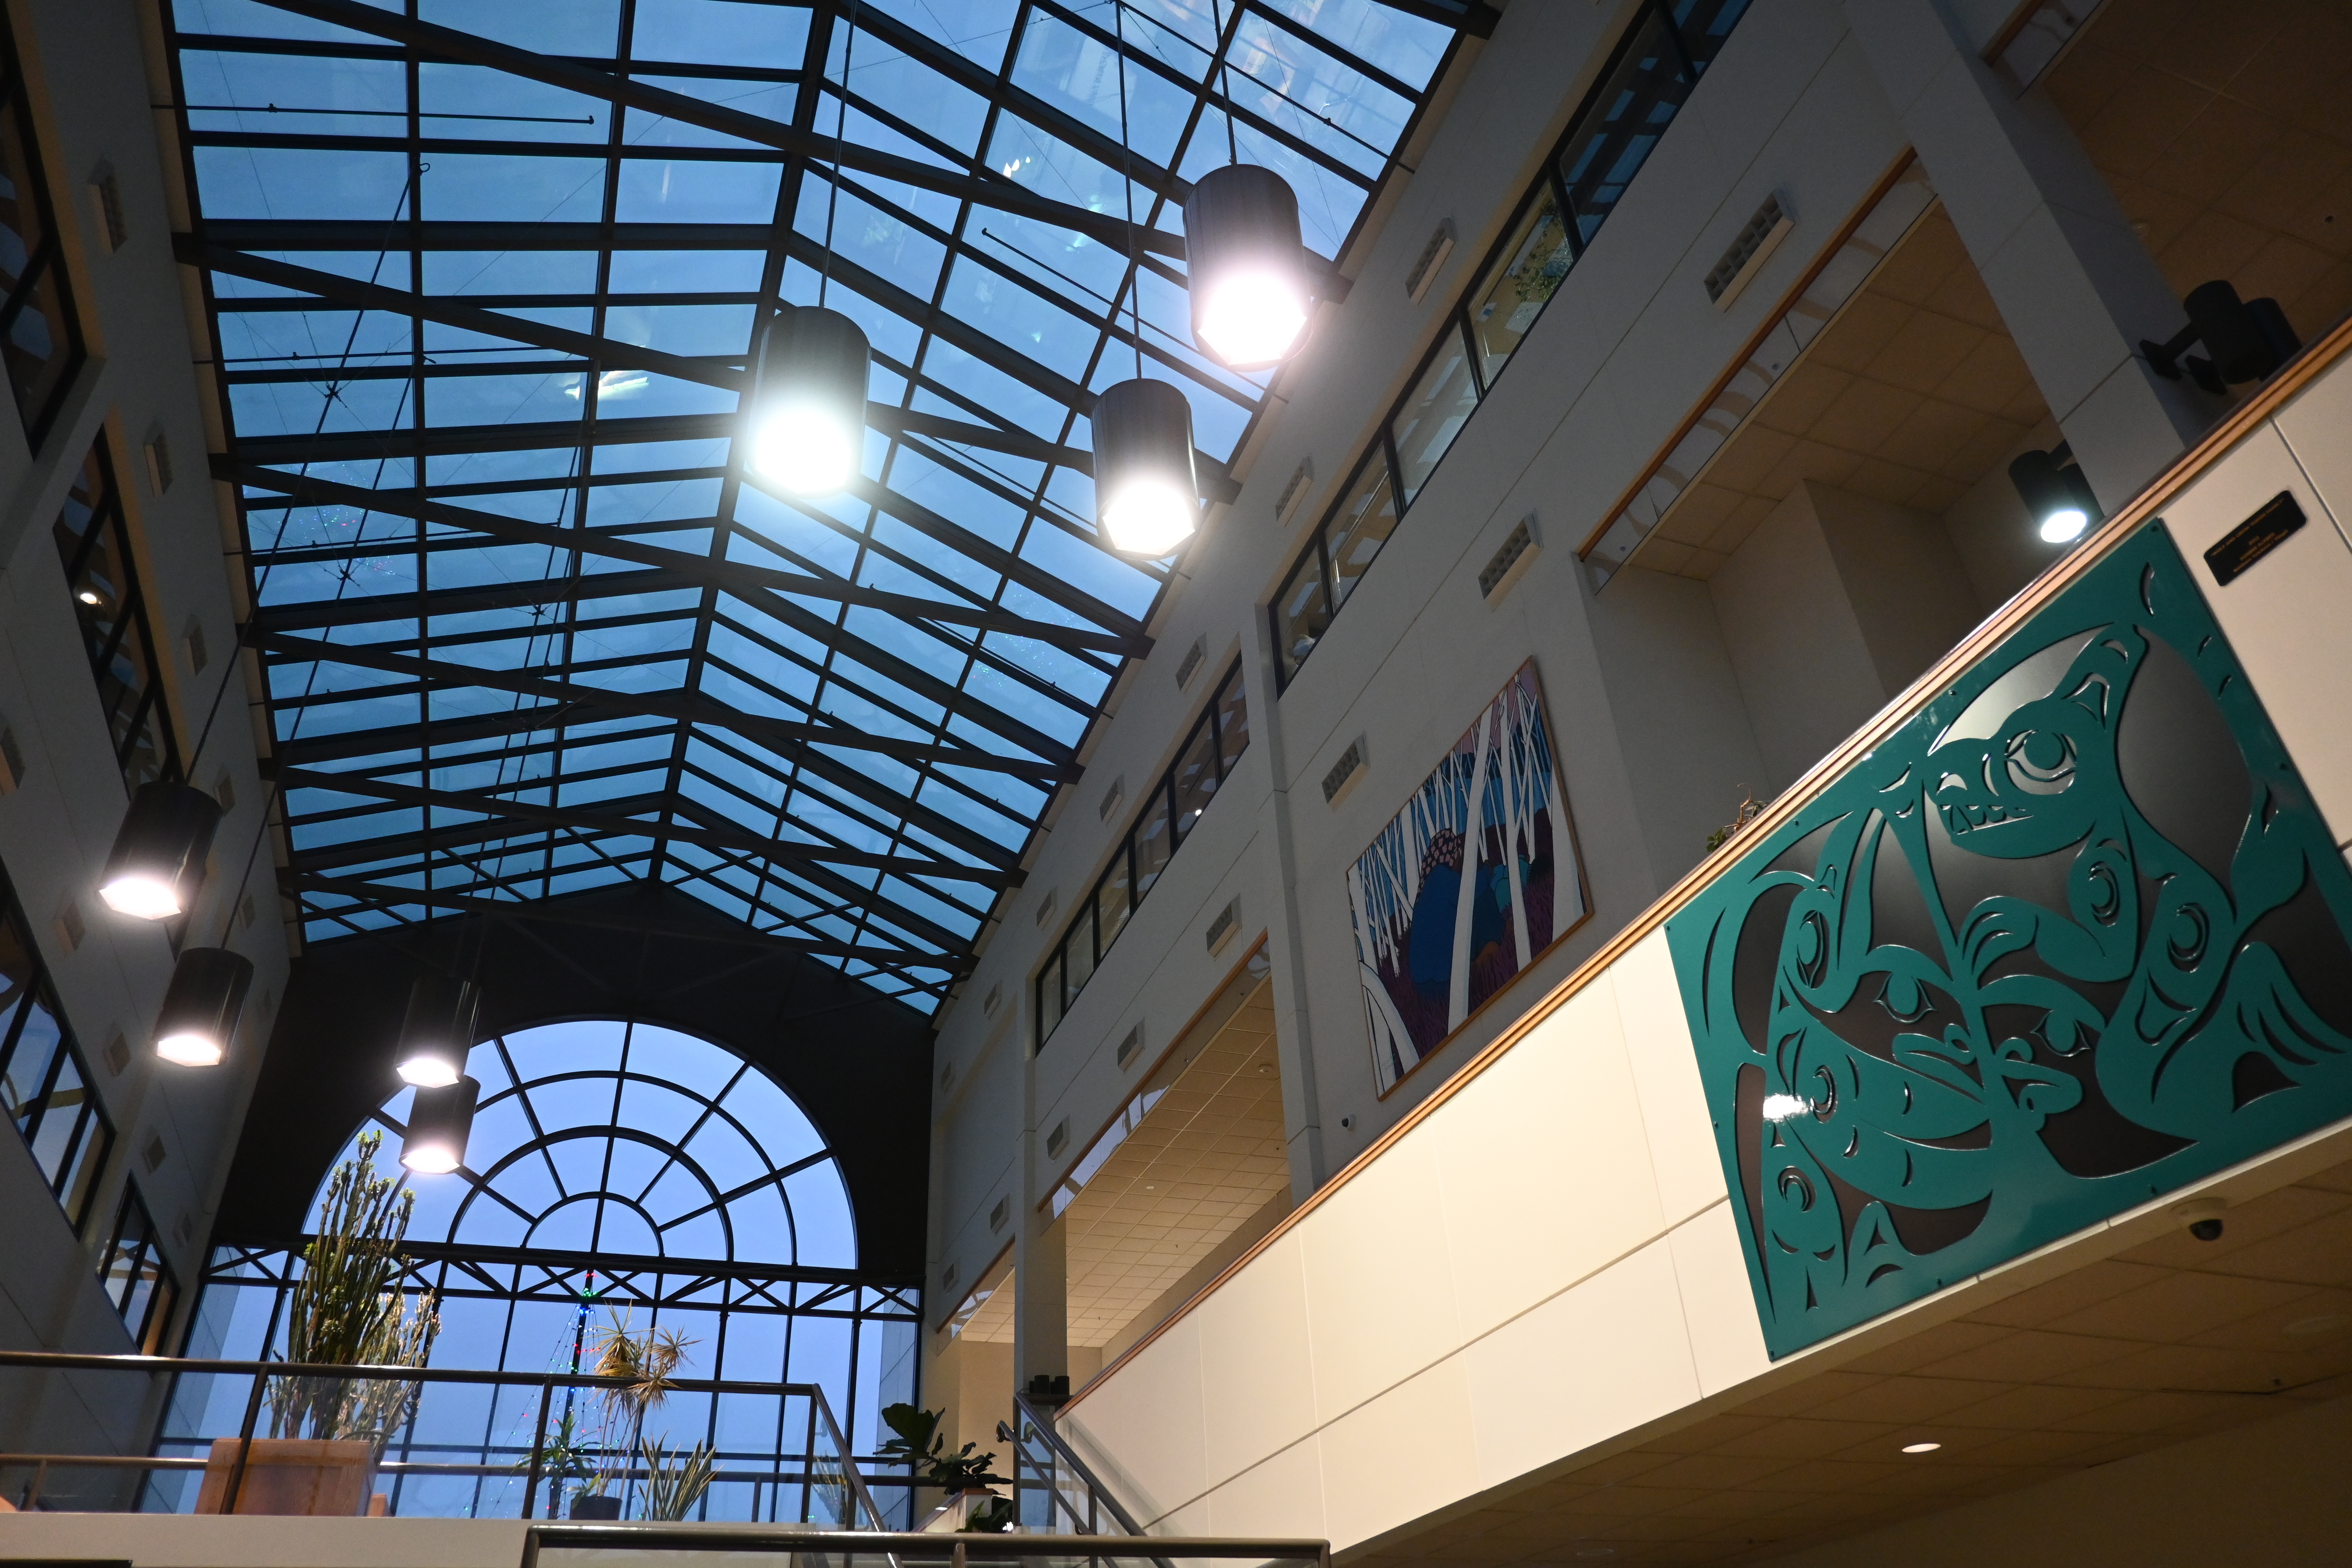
{"type": "Point", "coordinates": [1294, 1046]}
{"type": "Point", "coordinates": [2076, 287]}
{"type": "Point", "coordinates": [1041, 1284]}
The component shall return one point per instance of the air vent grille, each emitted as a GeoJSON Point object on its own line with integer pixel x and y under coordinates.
{"type": "Point", "coordinates": [1128, 1047]}
{"type": "Point", "coordinates": [1497, 570]}
{"type": "Point", "coordinates": [1343, 771]}
{"type": "Point", "coordinates": [1433, 261]}
{"type": "Point", "coordinates": [1058, 1139]}
{"type": "Point", "coordinates": [1756, 239]}
{"type": "Point", "coordinates": [1000, 1213]}
{"type": "Point", "coordinates": [1191, 665]}
{"type": "Point", "coordinates": [1221, 929]}
{"type": "Point", "coordinates": [1294, 492]}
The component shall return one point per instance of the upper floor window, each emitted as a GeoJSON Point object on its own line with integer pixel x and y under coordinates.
{"type": "Point", "coordinates": [38, 338]}
{"type": "Point", "coordinates": [138, 1280]}
{"type": "Point", "coordinates": [1656, 64]}
{"type": "Point", "coordinates": [45, 1087]}
{"type": "Point", "coordinates": [1211, 749]}
{"type": "Point", "coordinates": [102, 575]}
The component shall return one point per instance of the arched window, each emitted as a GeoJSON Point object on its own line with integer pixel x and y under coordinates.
{"type": "Point", "coordinates": [632, 1140]}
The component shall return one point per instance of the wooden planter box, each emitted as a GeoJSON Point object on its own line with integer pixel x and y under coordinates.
{"type": "Point", "coordinates": [319, 1477]}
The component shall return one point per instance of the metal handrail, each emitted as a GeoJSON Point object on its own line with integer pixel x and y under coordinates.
{"type": "Point", "coordinates": [261, 1372]}
{"type": "Point", "coordinates": [1068, 1456]}
{"type": "Point", "coordinates": [958, 1550]}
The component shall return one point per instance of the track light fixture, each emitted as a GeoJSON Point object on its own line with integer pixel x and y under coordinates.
{"type": "Point", "coordinates": [2059, 499]}
{"type": "Point", "coordinates": [438, 1031]}
{"type": "Point", "coordinates": [157, 865]}
{"type": "Point", "coordinates": [1147, 494]}
{"type": "Point", "coordinates": [439, 1120]}
{"type": "Point", "coordinates": [2247, 338]}
{"type": "Point", "coordinates": [201, 1005]}
{"type": "Point", "coordinates": [1247, 267]}
{"type": "Point", "coordinates": [806, 415]}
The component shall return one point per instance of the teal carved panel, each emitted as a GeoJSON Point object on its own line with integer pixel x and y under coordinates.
{"type": "Point", "coordinates": [2072, 937]}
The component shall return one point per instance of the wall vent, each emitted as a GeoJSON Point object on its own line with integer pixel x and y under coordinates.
{"type": "Point", "coordinates": [1128, 1047]}
{"type": "Point", "coordinates": [1343, 771]}
{"type": "Point", "coordinates": [152, 1156]}
{"type": "Point", "coordinates": [1058, 1139]}
{"type": "Point", "coordinates": [948, 1278]}
{"type": "Point", "coordinates": [1293, 494]}
{"type": "Point", "coordinates": [12, 760]}
{"type": "Point", "coordinates": [947, 1077]}
{"type": "Point", "coordinates": [1045, 911]}
{"type": "Point", "coordinates": [1433, 261]}
{"type": "Point", "coordinates": [245, 913]}
{"type": "Point", "coordinates": [1510, 562]}
{"type": "Point", "coordinates": [1112, 798]}
{"type": "Point", "coordinates": [1191, 665]}
{"type": "Point", "coordinates": [1749, 250]}
{"type": "Point", "coordinates": [70, 930]}
{"type": "Point", "coordinates": [106, 197]}
{"type": "Point", "coordinates": [225, 792]}
{"type": "Point", "coordinates": [118, 1055]}
{"type": "Point", "coordinates": [159, 462]}
{"type": "Point", "coordinates": [199, 655]}
{"type": "Point", "coordinates": [990, 1002]}
{"type": "Point", "coordinates": [1000, 1213]}
{"type": "Point", "coordinates": [1221, 929]}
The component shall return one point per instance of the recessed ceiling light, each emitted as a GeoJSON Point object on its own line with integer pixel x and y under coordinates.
{"type": "Point", "coordinates": [1921, 1447]}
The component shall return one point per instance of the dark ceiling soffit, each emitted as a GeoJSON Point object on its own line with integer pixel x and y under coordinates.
{"type": "Point", "coordinates": [1471, 16]}
{"type": "Point", "coordinates": [746, 581]}
{"type": "Point", "coordinates": [384, 895]}
{"type": "Point", "coordinates": [785, 733]}
{"type": "Point", "coordinates": [614, 821]}
{"type": "Point", "coordinates": [1002, 196]}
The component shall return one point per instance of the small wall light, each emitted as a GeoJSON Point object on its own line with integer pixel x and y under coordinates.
{"type": "Point", "coordinates": [2059, 499]}
{"type": "Point", "coordinates": [807, 416]}
{"type": "Point", "coordinates": [439, 1120]}
{"type": "Point", "coordinates": [1146, 493]}
{"type": "Point", "coordinates": [438, 1031]}
{"type": "Point", "coordinates": [201, 1005]}
{"type": "Point", "coordinates": [2247, 338]}
{"type": "Point", "coordinates": [1247, 267]}
{"type": "Point", "coordinates": [157, 865]}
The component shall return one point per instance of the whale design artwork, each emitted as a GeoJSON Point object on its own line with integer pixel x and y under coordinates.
{"type": "Point", "coordinates": [2072, 937]}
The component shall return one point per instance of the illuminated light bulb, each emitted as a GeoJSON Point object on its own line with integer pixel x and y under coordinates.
{"type": "Point", "coordinates": [1147, 494]}
{"type": "Point", "coordinates": [439, 1120]}
{"type": "Point", "coordinates": [86, 596]}
{"type": "Point", "coordinates": [1921, 1447]}
{"type": "Point", "coordinates": [437, 1031]}
{"type": "Point", "coordinates": [157, 864]}
{"type": "Point", "coordinates": [201, 1008]}
{"type": "Point", "coordinates": [2057, 497]}
{"type": "Point", "coordinates": [805, 417]}
{"type": "Point", "coordinates": [1247, 267]}
{"type": "Point", "coordinates": [2065, 525]}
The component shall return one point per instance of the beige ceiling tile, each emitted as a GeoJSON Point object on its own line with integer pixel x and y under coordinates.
{"type": "Point", "coordinates": [1743, 520]}
{"type": "Point", "coordinates": [2335, 1179]}
{"type": "Point", "coordinates": [1857, 337]}
{"type": "Point", "coordinates": [2307, 1322]}
{"type": "Point", "coordinates": [1697, 512]}
{"type": "Point", "coordinates": [1940, 1343]}
{"type": "Point", "coordinates": [2087, 79]}
{"type": "Point", "coordinates": [1865, 414]}
{"type": "Point", "coordinates": [2217, 145]}
{"type": "Point", "coordinates": [2276, 190]}
{"type": "Point", "coordinates": [2031, 1355]}
{"type": "Point", "coordinates": [1704, 564]}
{"type": "Point", "coordinates": [1963, 297]}
{"type": "Point", "coordinates": [1714, 1470]}
{"type": "Point", "coordinates": [1932, 435]}
{"type": "Point", "coordinates": [1923, 263]}
{"type": "Point", "coordinates": [2134, 130]}
{"type": "Point", "coordinates": [1809, 461]}
{"type": "Point", "coordinates": [1811, 1394]}
{"type": "Point", "coordinates": [1883, 480]}
{"type": "Point", "coordinates": [2327, 298]}
{"type": "Point", "coordinates": [1927, 349]}
{"type": "Point", "coordinates": [1990, 447]}
{"type": "Point", "coordinates": [2215, 246]}
{"type": "Point", "coordinates": [2252, 1234]}
{"type": "Point", "coordinates": [2035, 1406]}
{"type": "Point", "coordinates": [2156, 216]}
{"type": "Point", "coordinates": [1799, 398]}
{"type": "Point", "coordinates": [1805, 1437]}
{"type": "Point", "coordinates": [1663, 555]}
{"type": "Point", "coordinates": [1989, 378]}
{"type": "Point", "coordinates": [2165, 1411]}
{"type": "Point", "coordinates": [2071, 1292]}
{"type": "Point", "coordinates": [2178, 1307]}
{"type": "Point", "coordinates": [1906, 1399]}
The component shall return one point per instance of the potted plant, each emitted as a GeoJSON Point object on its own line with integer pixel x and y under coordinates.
{"type": "Point", "coordinates": [648, 1361]}
{"type": "Point", "coordinates": [568, 1455]}
{"type": "Point", "coordinates": [673, 1489]}
{"type": "Point", "coordinates": [964, 1475]}
{"type": "Point", "coordinates": [327, 1432]}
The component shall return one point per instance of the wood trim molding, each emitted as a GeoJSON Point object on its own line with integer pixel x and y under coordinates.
{"type": "Point", "coordinates": [2234, 426]}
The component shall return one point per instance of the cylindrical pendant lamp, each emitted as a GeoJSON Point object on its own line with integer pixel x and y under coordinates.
{"type": "Point", "coordinates": [439, 1120]}
{"type": "Point", "coordinates": [157, 865]}
{"type": "Point", "coordinates": [201, 1005]}
{"type": "Point", "coordinates": [2059, 500]}
{"type": "Point", "coordinates": [1246, 266]}
{"type": "Point", "coordinates": [1147, 495]}
{"type": "Point", "coordinates": [807, 416]}
{"type": "Point", "coordinates": [438, 1031]}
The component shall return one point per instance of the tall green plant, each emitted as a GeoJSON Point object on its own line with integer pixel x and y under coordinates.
{"type": "Point", "coordinates": [673, 1489]}
{"type": "Point", "coordinates": [647, 1360]}
{"type": "Point", "coordinates": [348, 1310]}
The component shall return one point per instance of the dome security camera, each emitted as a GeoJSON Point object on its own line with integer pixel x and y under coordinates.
{"type": "Point", "coordinates": [2202, 1216]}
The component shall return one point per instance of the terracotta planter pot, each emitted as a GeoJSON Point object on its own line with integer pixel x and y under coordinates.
{"type": "Point", "coordinates": [319, 1477]}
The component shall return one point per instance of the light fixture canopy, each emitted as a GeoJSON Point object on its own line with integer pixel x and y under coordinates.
{"type": "Point", "coordinates": [157, 865]}
{"type": "Point", "coordinates": [438, 1031]}
{"type": "Point", "coordinates": [2059, 499]}
{"type": "Point", "coordinates": [439, 1120]}
{"type": "Point", "coordinates": [806, 415]}
{"type": "Point", "coordinates": [1247, 267]}
{"type": "Point", "coordinates": [1146, 493]}
{"type": "Point", "coordinates": [201, 1005]}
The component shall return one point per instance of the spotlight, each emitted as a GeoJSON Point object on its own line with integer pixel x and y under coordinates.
{"type": "Point", "coordinates": [2059, 499]}
{"type": "Point", "coordinates": [1247, 267]}
{"type": "Point", "coordinates": [201, 1005]}
{"type": "Point", "coordinates": [2248, 339]}
{"type": "Point", "coordinates": [806, 414]}
{"type": "Point", "coordinates": [438, 1032]}
{"type": "Point", "coordinates": [1146, 496]}
{"type": "Point", "coordinates": [438, 1122]}
{"type": "Point", "coordinates": [157, 863]}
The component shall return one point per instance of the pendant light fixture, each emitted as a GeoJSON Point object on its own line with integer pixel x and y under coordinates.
{"type": "Point", "coordinates": [157, 865]}
{"type": "Point", "coordinates": [438, 1031]}
{"type": "Point", "coordinates": [1146, 493]}
{"type": "Point", "coordinates": [201, 1005]}
{"type": "Point", "coordinates": [2060, 499]}
{"type": "Point", "coordinates": [1247, 267]}
{"type": "Point", "coordinates": [806, 418]}
{"type": "Point", "coordinates": [439, 1120]}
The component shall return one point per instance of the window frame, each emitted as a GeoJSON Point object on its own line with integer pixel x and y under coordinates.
{"type": "Point", "coordinates": [1051, 993]}
{"type": "Point", "coordinates": [89, 1143]}
{"type": "Point", "coordinates": [163, 1297]}
{"type": "Point", "coordinates": [153, 706]}
{"type": "Point", "coordinates": [45, 264]}
{"type": "Point", "coordinates": [1691, 66]}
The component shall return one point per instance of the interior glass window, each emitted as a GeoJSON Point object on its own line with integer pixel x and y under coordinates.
{"type": "Point", "coordinates": [1635, 107]}
{"type": "Point", "coordinates": [1233, 722]}
{"type": "Point", "coordinates": [1440, 405]}
{"type": "Point", "coordinates": [1301, 612]}
{"type": "Point", "coordinates": [1519, 285]}
{"type": "Point", "coordinates": [1361, 527]}
{"type": "Point", "coordinates": [1195, 778]}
